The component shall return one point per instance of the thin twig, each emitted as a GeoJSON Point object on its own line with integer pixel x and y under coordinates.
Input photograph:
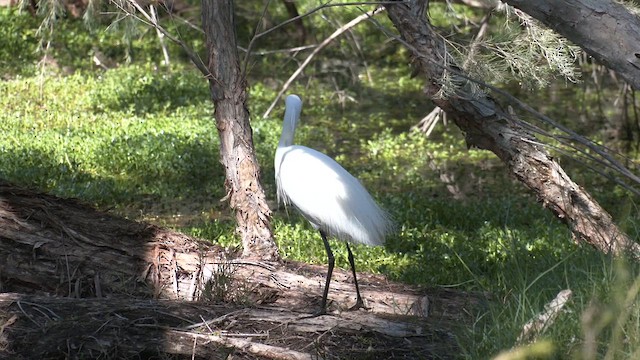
{"type": "Point", "coordinates": [165, 52]}
{"type": "Point", "coordinates": [193, 350]}
{"type": "Point", "coordinates": [191, 294]}
{"type": "Point", "coordinates": [254, 37]}
{"type": "Point", "coordinates": [315, 51]}
{"type": "Point", "coordinates": [253, 348]}
{"type": "Point", "coordinates": [195, 59]}
{"type": "Point", "coordinates": [581, 157]}
{"type": "Point", "coordinates": [214, 321]}
{"type": "Point", "coordinates": [428, 123]}
{"type": "Point", "coordinates": [173, 265]}
{"type": "Point", "coordinates": [243, 262]}
{"type": "Point", "coordinates": [206, 324]}
{"type": "Point", "coordinates": [475, 44]}
{"type": "Point", "coordinates": [277, 51]}
{"type": "Point", "coordinates": [29, 316]}
{"type": "Point", "coordinates": [312, 11]}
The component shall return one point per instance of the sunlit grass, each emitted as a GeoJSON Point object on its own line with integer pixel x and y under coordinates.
{"type": "Point", "coordinates": [149, 154]}
{"type": "Point", "coordinates": [142, 141]}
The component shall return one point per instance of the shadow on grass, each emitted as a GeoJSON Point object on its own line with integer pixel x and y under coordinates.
{"type": "Point", "coordinates": [155, 172]}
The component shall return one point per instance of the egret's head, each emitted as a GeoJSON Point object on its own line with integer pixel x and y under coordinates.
{"type": "Point", "coordinates": [293, 101]}
{"type": "Point", "coordinates": [293, 107]}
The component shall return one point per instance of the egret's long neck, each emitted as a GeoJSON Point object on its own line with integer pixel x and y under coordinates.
{"type": "Point", "coordinates": [291, 116]}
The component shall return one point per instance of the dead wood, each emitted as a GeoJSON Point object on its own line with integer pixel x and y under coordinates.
{"type": "Point", "coordinates": [543, 320]}
{"type": "Point", "coordinates": [81, 282]}
{"type": "Point", "coordinates": [49, 327]}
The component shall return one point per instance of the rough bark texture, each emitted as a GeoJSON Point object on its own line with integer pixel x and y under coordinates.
{"type": "Point", "coordinates": [228, 92]}
{"type": "Point", "coordinates": [41, 327]}
{"type": "Point", "coordinates": [487, 126]}
{"type": "Point", "coordinates": [605, 29]}
{"type": "Point", "coordinates": [95, 285]}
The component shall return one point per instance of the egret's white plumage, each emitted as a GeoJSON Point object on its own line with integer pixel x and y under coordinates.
{"type": "Point", "coordinates": [326, 194]}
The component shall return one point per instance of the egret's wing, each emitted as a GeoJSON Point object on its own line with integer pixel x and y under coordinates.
{"type": "Point", "coordinates": [329, 197]}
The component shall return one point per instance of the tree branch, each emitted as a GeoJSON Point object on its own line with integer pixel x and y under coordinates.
{"type": "Point", "coordinates": [316, 50]}
{"type": "Point", "coordinates": [488, 126]}
{"type": "Point", "coordinates": [590, 24]}
{"type": "Point", "coordinates": [152, 22]}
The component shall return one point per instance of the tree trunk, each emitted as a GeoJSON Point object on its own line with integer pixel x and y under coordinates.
{"type": "Point", "coordinates": [228, 92]}
{"type": "Point", "coordinates": [301, 30]}
{"type": "Point", "coordinates": [487, 126]}
{"type": "Point", "coordinates": [94, 284]}
{"type": "Point", "coordinates": [591, 24]}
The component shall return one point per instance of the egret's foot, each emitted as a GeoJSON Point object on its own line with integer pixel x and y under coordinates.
{"type": "Point", "coordinates": [359, 305]}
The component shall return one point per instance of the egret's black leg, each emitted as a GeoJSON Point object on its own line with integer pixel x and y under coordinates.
{"type": "Point", "coordinates": [332, 261]}
{"type": "Point", "coordinates": [359, 303]}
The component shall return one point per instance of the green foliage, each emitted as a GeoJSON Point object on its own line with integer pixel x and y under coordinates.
{"type": "Point", "coordinates": [18, 33]}
{"type": "Point", "coordinates": [111, 141]}
{"type": "Point", "coordinates": [141, 139]}
{"type": "Point", "coordinates": [515, 48]}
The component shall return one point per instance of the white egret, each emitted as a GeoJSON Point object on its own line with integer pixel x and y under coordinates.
{"type": "Point", "coordinates": [334, 202]}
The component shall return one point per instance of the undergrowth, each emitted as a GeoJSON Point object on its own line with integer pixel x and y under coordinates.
{"type": "Point", "coordinates": [141, 140]}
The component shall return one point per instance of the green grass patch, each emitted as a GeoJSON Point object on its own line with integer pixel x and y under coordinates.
{"type": "Point", "coordinates": [140, 139]}
{"type": "Point", "coordinates": [116, 139]}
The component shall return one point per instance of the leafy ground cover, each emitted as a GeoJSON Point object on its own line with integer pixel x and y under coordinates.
{"type": "Point", "coordinates": [139, 139]}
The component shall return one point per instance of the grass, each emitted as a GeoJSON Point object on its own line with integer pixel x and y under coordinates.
{"type": "Point", "coordinates": [140, 140]}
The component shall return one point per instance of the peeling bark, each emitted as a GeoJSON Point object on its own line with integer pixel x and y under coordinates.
{"type": "Point", "coordinates": [228, 92]}
{"type": "Point", "coordinates": [488, 126]}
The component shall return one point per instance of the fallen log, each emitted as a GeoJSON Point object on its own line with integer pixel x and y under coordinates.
{"type": "Point", "coordinates": [43, 327]}
{"type": "Point", "coordinates": [78, 282]}
{"type": "Point", "coordinates": [62, 247]}
{"type": "Point", "coordinates": [39, 327]}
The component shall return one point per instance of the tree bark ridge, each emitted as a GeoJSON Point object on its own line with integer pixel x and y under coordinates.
{"type": "Point", "coordinates": [228, 92]}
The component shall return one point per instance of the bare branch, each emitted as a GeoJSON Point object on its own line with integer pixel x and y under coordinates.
{"type": "Point", "coordinates": [297, 18]}
{"type": "Point", "coordinates": [150, 21]}
{"type": "Point", "coordinates": [321, 46]}
{"type": "Point", "coordinates": [165, 52]}
{"type": "Point", "coordinates": [254, 37]}
{"type": "Point", "coordinates": [290, 50]}
{"type": "Point", "coordinates": [543, 320]}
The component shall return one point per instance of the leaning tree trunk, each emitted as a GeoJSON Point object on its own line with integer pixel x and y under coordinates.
{"type": "Point", "coordinates": [228, 92]}
{"type": "Point", "coordinates": [487, 126]}
{"type": "Point", "coordinates": [591, 24]}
